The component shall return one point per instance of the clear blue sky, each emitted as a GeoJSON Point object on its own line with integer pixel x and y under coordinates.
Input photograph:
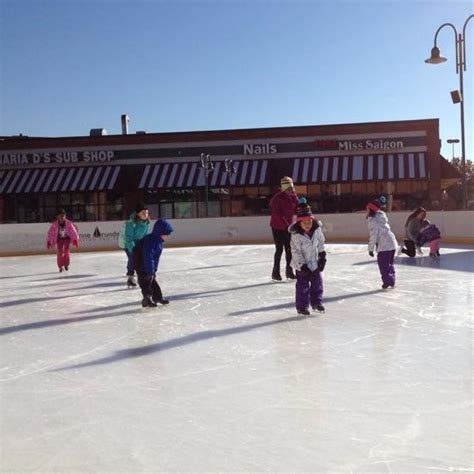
{"type": "Point", "coordinates": [70, 65]}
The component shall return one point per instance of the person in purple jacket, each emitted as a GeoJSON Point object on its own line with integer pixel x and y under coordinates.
{"type": "Point", "coordinates": [283, 206]}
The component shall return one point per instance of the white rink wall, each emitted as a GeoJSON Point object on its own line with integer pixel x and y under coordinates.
{"type": "Point", "coordinates": [20, 239]}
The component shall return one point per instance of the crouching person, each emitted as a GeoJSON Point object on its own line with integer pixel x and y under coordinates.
{"type": "Point", "coordinates": [147, 258]}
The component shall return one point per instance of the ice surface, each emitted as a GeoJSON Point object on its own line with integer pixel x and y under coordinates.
{"type": "Point", "coordinates": [228, 377]}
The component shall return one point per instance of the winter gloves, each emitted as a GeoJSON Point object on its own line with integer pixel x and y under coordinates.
{"type": "Point", "coordinates": [321, 264]}
{"type": "Point", "coordinates": [371, 253]}
{"type": "Point", "coordinates": [305, 270]}
{"type": "Point", "coordinates": [321, 261]}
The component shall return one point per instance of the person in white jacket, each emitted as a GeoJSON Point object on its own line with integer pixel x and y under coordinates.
{"type": "Point", "coordinates": [308, 259]}
{"type": "Point", "coordinates": [383, 240]}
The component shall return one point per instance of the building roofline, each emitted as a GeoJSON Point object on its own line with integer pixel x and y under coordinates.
{"type": "Point", "coordinates": [11, 142]}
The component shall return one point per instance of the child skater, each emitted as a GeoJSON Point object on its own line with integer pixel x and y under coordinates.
{"type": "Point", "coordinates": [62, 233]}
{"type": "Point", "coordinates": [383, 240]}
{"type": "Point", "coordinates": [432, 235]}
{"type": "Point", "coordinates": [135, 229]}
{"type": "Point", "coordinates": [308, 259]}
{"type": "Point", "coordinates": [147, 257]}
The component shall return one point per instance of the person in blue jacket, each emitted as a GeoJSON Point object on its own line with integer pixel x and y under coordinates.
{"type": "Point", "coordinates": [147, 258]}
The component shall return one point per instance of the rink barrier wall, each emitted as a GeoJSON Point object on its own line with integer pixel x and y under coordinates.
{"type": "Point", "coordinates": [456, 227]}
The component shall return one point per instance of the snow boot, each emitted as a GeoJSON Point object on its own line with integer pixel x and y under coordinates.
{"type": "Point", "coordinates": [147, 302]}
{"type": "Point", "coordinates": [276, 274]}
{"type": "Point", "coordinates": [290, 275]}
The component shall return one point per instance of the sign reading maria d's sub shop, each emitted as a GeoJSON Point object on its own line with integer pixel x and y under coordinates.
{"type": "Point", "coordinates": [59, 157]}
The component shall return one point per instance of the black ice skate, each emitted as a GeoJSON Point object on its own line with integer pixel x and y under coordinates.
{"type": "Point", "coordinates": [66, 268]}
{"type": "Point", "coordinates": [60, 269]}
{"type": "Point", "coordinates": [290, 275]}
{"type": "Point", "coordinates": [276, 274]}
{"type": "Point", "coordinates": [385, 286]}
{"type": "Point", "coordinates": [147, 302]}
{"type": "Point", "coordinates": [162, 301]}
{"type": "Point", "coordinates": [303, 312]}
{"type": "Point", "coordinates": [131, 282]}
{"type": "Point", "coordinates": [319, 308]}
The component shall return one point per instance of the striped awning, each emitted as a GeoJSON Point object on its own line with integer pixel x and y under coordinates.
{"type": "Point", "coordinates": [52, 180]}
{"type": "Point", "coordinates": [359, 168]}
{"type": "Point", "coordinates": [190, 175]}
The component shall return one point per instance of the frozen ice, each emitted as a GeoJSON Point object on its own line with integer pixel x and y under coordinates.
{"type": "Point", "coordinates": [228, 377]}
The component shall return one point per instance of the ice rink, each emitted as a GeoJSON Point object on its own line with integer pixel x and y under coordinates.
{"type": "Point", "coordinates": [228, 377]}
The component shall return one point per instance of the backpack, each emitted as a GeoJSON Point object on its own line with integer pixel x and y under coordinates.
{"type": "Point", "coordinates": [121, 237]}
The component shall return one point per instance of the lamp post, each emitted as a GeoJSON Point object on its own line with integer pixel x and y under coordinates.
{"type": "Point", "coordinates": [207, 166]}
{"type": "Point", "coordinates": [436, 58]}
{"type": "Point", "coordinates": [452, 141]}
{"type": "Point", "coordinates": [230, 170]}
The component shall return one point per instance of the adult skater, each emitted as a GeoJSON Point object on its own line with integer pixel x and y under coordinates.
{"type": "Point", "coordinates": [283, 206]}
{"type": "Point", "coordinates": [135, 229]}
{"type": "Point", "coordinates": [147, 257]}
{"type": "Point", "coordinates": [412, 232]}
{"type": "Point", "coordinates": [308, 259]}
{"type": "Point", "coordinates": [383, 241]}
{"type": "Point", "coordinates": [62, 233]}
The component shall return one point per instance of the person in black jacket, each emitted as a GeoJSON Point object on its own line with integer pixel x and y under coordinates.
{"type": "Point", "coordinates": [147, 258]}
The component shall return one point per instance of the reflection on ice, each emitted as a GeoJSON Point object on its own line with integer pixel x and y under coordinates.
{"type": "Point", "coordinates": [228, 377]}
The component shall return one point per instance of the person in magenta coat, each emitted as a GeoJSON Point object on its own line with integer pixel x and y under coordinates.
{"type": "Point", "coordinates": [62, 234]}
{"type": "Point", "coordinates": [283, 206]}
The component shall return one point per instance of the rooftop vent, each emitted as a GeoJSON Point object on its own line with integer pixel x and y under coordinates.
{"type": "Point", "coordinates": [125, 119]}
{"type": "Point", "coordinates": [97, 132]}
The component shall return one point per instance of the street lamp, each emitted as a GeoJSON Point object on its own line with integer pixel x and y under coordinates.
{"type": "Point", "coordinates": [230, 170]}
{"type": "Point", "coordinates": [436, 58]}
{"type": "Point", "coordinates": [452, 141]}
{"type": "Point", "coordinates": [207, 166]}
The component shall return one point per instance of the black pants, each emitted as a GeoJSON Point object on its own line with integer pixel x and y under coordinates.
{"type": "Point", "coordinates": [409, 248]}
{"type": "Point", "coordinates": [282, 240]}
{"type": "Point", "coordinates": [149, 286]}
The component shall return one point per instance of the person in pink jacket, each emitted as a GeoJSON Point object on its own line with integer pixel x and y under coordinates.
{"type": "Point", "coordinates": [283, 205]}
{"type": "Point", "coordinates": [62, 233]}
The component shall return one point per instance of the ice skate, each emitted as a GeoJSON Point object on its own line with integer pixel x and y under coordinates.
{"type": "Point", "coordinates": [162, 301]}
{"type": "Point", "coordinates": [385, 286]}
{"type": "Point", "coordinates": [60, 269]}
{"type": "Point", "coordinates": [66, 268]}
{"type": "Point", "coordinates": [319, 307]}
{"type": "Point", "coordinates": [433, 255]}
{"type": "Point", "coordinates": [290, 275]}
{"type": "Point", "coordinates": [147, 302]}
{"type": "Point", "coordinates": [276, 274]}
{"type": "Point", "coordinates": [131, 282]}
{"type": "Point", "coordinates": [303, 312]}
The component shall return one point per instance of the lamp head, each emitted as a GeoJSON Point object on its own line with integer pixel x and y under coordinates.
{"type": "Point", "coordinates": [435, 58]}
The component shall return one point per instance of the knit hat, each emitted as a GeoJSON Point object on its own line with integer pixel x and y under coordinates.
{"type": "Point", "coordinates": [374, 205]}
{"type": "Point", "coordinates": [303, 212]}
{"type": "Point", "coordinates": [140, 207]}
{"type": "Point", "coordinates": [60, 211]}
{"type": "Point", "coordinates": [286, 183]}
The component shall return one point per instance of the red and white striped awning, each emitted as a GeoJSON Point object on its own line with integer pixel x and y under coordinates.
{"type": "Point", "coordinates": [190, 175]}
{"type": "Point", "coordinates": [359, 168]}
{"type": "Point", "coordinates": [52, 180]}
